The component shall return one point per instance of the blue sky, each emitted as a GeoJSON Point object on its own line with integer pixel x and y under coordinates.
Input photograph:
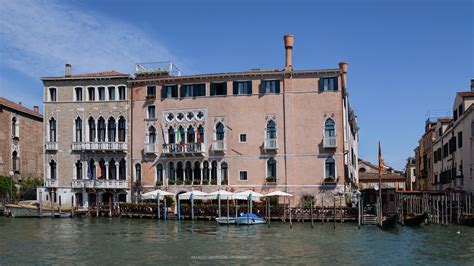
{"type": "Point", "coordinates": [405, 57]}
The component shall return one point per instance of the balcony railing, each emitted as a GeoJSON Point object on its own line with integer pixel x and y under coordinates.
{"type": "Point", "coordinates": [185, 148]}
{"type": "Point", "coordinates": [51, 183]}
{"type": "Point", "coordinates": [329, 142]}
{"type": "Point", "coordinates": [150, 148]}
{"type": "Point", "coordinates": [87, 183]}
{"type": "Point", "coordinates": [51, 146]}
{"type": "Point", "coordinates": [270, 144]}
{"type": "Point", "coordinates": [219, 145]}
{"type": "Point", "coordinates": [99, 146]}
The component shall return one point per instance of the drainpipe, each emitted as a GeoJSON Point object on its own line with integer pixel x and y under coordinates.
{"type": "Point", "coordinates": [132, 187]}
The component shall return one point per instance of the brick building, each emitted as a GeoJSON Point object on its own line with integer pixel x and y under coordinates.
{"type": "Point", "coordinates": [21, 144]}
{"type": "Point", "coordinates": [369, 176]}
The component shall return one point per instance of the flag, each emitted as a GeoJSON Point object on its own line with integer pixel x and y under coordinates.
{"type": "Point", "coordinates": [178, 135]}
{"type": "Point", "coordinates": [99, 170]}
{"type": "Point", "coordinates": [380, 164]}
{"type": "Point", "coordinates": [163, 134]}
{"type": "Point", "coordinates": [198, 137]}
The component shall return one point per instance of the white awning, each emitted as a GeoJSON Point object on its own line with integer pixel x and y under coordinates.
{"type": "Point", "coordinates": [153, 194]}
{"type": "Point", "coordinates": [278, 193]}
{"type": "Point", "coordinates": [196, 194]}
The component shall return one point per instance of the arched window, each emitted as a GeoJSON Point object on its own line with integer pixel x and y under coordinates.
{"type": "Point", "coordinates": [111, 129]}
{"type": "Point", "coordinates": [78, 129]}
{"type": "Point", "coordinates": [272, 169]}
{"type": "Point", "coordinates": [214, 173]}
{"type": "Point", "coordinates": [152, 135]}
{"type": "Point", "coordinates": [330, 169]}
{"type": "Point", "coordinates": [52, 130]}
{"type": "Point", "coordinates": [52, 169]}
{"type": "Point", "coordinates": [122, 170]}
{"type": "Point", "coordinates": [15, 128]}
{"type": "Point", "coordinates": [91, 93]}
{"type": "Point", "coordinates": [91, 174]}
{"type": "Point", "coordinates": [188, 171]}
{"type": "Point", "coordinates": [78, 169]}
{"type": "Point", "coordinates": [271, 130]}
{"type": "Point", "coordinates": [191, 135]}
{"type": "Point", "coordinates": [197, 173]}
{"type": "Point", "coordinates": [15, 162]}
{"type": "Point", "coordinates": [138, 172]}
{"type": "Point", "coordinates": [91, 123]}
{"type": "Point", "coordinates": [220, 131]}
{"type": "Point", "coordinates": [179, 172]}
{"type": "Point", "coordinates": [329, 128]}
{"type": "Point", "coordinates": [224, 173]}
{"type": "Point", "coordinates": [200, 136]}
{"type": "Point", "coordinates": [182, 135]}
{"type": "Point", "coordinates": [102, 171]}
{"type": "Point", "coordinates": [101, 129]}
{"type": "Point", "coordinates": [205, 173]}
{"type": "Point", "coordinates": [171, 135]}
{"type": "Point", "coordinates": [171, 177]}
{"type": "Point", "coordinates": [121, 129]}
{"type": "Point", "coordinates": [52, 94]}
{"type": "Point", "coordinates": [112, 170]}
{"type": "Point", "coordinates": [78, 92]}
{"type": "Point", "coordinates": [111, 93]}
{"type": "Point", "coordinates": [159, 174]}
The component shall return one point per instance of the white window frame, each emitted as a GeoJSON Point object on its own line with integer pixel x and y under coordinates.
{"type": "Point", "coordinates": [242, 171]}
{"type": "Point", "coordinates": [240, 139]}
{"type": "Point", "coordinates": [75, 93]}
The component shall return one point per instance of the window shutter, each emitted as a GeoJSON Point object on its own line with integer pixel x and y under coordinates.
{"type": "Point", "coordinates": [213, 89]}
{"type": "Point", "coordinates": [321, 85]}
{"type": "Point", "coordinates": [174, 91]}
{"type": "Point", "coordinates": [225, 88]}
{"type": "Point", "coordinates": [235, 88]}
{"type": "Point", "coordinates": [277, 88]}
{"type": "Point", "coordinates": [163, 92]}
{"type": "Point", "coordinates": [336, 84]}
{"type": "Point", "coordinates": [262, 87]}
{"type": "Point", "coordinates": [249, 87]}
{"type": "Point", "coordinates": [181, 91]}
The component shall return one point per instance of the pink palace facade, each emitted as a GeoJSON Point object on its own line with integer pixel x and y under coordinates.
{"type": "Point", "coordinates": [264, 130]}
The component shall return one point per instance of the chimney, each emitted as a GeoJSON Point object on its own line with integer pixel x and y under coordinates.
{"type": "Point", "coordinates": [19, 103]}
{"type": "Point", "coordinates": [289, 40]}
{"type": "Point", "coordinates": [68, 70]}
{"type": "Point", "coordinates": [36, 108]}
{"type": "Point", "coordinates": [343, 67]}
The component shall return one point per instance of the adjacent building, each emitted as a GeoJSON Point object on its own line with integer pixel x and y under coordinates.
{"type": "Point", "coordinates": [86, 138]}
{"type": "Point", "coordinates": [423, 156]}
{"type": "Point", "coordinates": [410, 174]}
{"type": "Point", "coordinates": [369, 176]}
{"type": "Point", "coordinates": [285, 129]}
{"type": "Point", "coordinates": [21, 149]}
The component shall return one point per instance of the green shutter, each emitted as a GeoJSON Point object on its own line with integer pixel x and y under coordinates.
{"type": "Point", "coordinates": [277, 88]}
{"type": "Point", "coordinates": [235, 88]}
{"type": "Point", "coordinates": [249, 87]}
{"type": "Point", "coordinates": [213, 89]}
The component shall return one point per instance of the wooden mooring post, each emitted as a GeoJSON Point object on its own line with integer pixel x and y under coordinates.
{"type": "Point", "coordinates": [311, 212]}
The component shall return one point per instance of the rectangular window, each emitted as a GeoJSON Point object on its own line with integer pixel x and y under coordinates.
{"type": "Point", "coordinates": [101, 94]}
{"type": "Point", "coordinates": [435, 156]}
{"type": "Point", "coordinates": [243, 176]}
{"type": "Point", "coordinates": [460, 110]}
{"type": "Point", "coordinates": [243, 138]}
{"type": "Point", "coordinates": [151, 91]}
{"type": "Point", "coordinates": [455, 115]}
{"type": "Point", "coordinates": [91, 93]}
{"type": "Point", "coordinates": [460, 138]}
{"type": "Point", "coordinates": [112, 93]}
{"type": "Point", "coordinates": [445, 150]}
{"type": "Point", "coordinates": [78, 94]}
{"type": "Point", "coordinates": [193, 90]}
{"type": "Point", "coordinates": [439, 154]}
{"type": "Point", "coordinates": [52, 94]}
{"type": "Point", "coordinates": [151, 112]}
{"type": "Point", "coordinates": [218, 88]}
{"type": "Point", "coordinates": [169, 91]}
{"type": "Point", "coordinates": [242, 88]}
{"type": "Point", "coordinates": [122, 93]}
{"type": "Point", "coordinates": [269, 86]}
{"type": "Point", "coordinates": [328, 84]}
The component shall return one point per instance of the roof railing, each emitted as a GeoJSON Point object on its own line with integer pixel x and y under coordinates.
{"type": "Point", "coordinates": [166, 67]}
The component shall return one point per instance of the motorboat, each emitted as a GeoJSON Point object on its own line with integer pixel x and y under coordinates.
{"type": "Point", "coordinates": [413, 219]}
{"type": "Point", "coordinates": [225, 220]}
{"type": "Point", "coordinates": [249, 219]}
{"type": "Point", "coordinates": [29, 208]}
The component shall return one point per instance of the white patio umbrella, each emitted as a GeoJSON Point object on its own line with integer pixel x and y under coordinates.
{"type": "Point", "coordinates": [250, 196]}
{"type": "Point", "coordinates": [156, 194]}
{"type": "Point", "coordinates": [276, 193]}
{"type": "Point", "coordinates": [191, 195]}
{"type": "Point", "coordinates": [221, 194]}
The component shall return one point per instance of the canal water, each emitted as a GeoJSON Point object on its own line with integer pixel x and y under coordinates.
{"type": "Point", "coordinates": [144, 241]}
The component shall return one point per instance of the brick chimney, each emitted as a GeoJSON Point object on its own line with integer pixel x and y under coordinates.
{"type": "Point", "coordinates": [343, 66]}
{"type": "Point", "coordinates": [19, 103]}
{"type": "Point", "coordinates": [289, 41]}
{"type": "Point", "coordinates": [36, 108]}
{"type": "Point", "coordinates": [68, 70]}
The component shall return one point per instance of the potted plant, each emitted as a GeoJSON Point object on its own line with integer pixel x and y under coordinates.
{"type": "Point", "coordinates": [271, 179]}
{"type": "Point", "coordinates": [159, 183]}
{"type": "Point", "coordinates": [224, 182]}
{"type": "Point", "coordinates": [188, 182]}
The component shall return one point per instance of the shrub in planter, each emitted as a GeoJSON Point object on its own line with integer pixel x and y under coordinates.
{"type": "Point", "coordinates": [271, 179]}
{"type": "Point", "coordinates": [188, 182]}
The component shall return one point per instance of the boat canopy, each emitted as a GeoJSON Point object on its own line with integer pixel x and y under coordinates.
{"type": "Point", "coordinates": [196, 194]}
{"type": "Point", "coordinates": [278, 193]}
{"type": "Point", "coordinates": [155, 193]}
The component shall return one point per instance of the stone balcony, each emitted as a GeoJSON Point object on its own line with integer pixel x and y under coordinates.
{"type": "Point", "coordinates": [329, 142]}
{"type": "Point", "coordinates": [219, 145]}
{"type": "Point", "coordinates": [51, 146]}
{"type": "Point", "coordinates": [51, 183]}
{"type": "Point", "coordinates": [270, 144]}
{"type": "Point", "coordinates": [99, 183]}
{"type": "Point", "coordinates": [99, 146]}
{"type": "Point", "coordinates": [150, 148]}
{"type": "Point", "coordinates": [192, 149]}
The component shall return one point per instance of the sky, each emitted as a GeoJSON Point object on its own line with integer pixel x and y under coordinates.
{"type": "Point", "coordinates": [407, 59]}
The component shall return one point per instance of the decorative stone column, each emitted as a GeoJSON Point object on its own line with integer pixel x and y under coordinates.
{"type": "Point", "coordinates": [117, 169]}
{"type": "Point", "coordinates": [106, 170]}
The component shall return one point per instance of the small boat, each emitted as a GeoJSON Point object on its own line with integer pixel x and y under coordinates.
{"type": "Point", "coordinates": [249, 219]}
{"type": "Point", "coordinates": [466, 219]}
{"type": "Point", "coordinates": [389, 221]}
{"type": "Point", "coordinates": [29, 208]}
{"type": "Point", "coordinates": [225, 220]}
{"type": "Point", "coordinates": [414, 220]}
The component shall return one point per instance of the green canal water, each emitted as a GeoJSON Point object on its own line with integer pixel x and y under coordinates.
{"type": "Point", "coordinates": [143, 241]}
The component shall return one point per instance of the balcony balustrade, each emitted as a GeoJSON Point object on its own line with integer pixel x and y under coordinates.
{"type": "Point", "coordinates": [99, 183]}
{"type": "Point", "coordinates": [150, 148]}
{"type": "Point", "coordinates": [51, 146]}
{"type": "Point", "coordinates": [270, 144]}
{"type": "Point", "coordinates": [329, 142]}
{"type": "Point", "coordinates": [185, 148]}
{"type": "Point", "coordinates": [51, 183]}
{"type": "Point", "coordinates": [219, 145]}
{"type": "Point", "coordinates": [99, 146]}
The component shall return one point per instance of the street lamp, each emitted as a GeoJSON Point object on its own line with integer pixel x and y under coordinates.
{"type": "Point", "coordinates": [11, 173]}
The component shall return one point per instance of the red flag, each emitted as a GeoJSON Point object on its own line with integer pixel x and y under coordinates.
{"type": "Point", "coordinates": [380, 166]}
{"type": "Point", "coordinates": [198, 139]}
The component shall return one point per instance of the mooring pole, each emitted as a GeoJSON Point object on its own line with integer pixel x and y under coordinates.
{"type": "Point", "coordinates": [312, 222]}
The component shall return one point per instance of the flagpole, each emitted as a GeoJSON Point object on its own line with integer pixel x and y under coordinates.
{"type": "Point", "coordinates": [380, 183]}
